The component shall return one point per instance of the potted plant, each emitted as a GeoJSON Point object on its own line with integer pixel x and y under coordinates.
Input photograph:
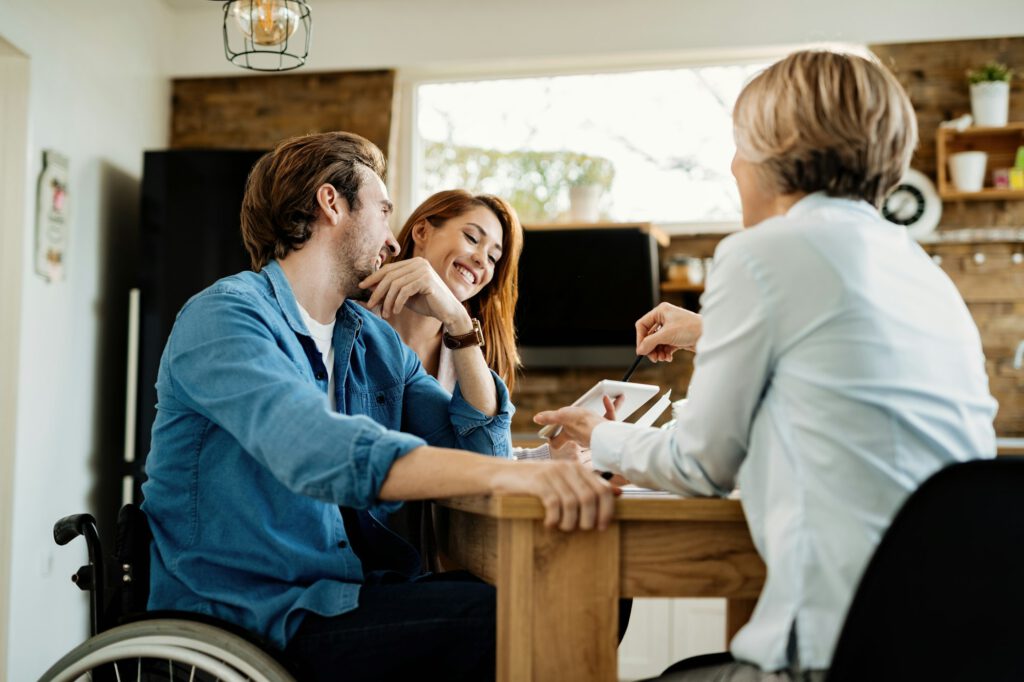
{"type": "Point", "coordinates": [588, 177]}
{"type": "Point", "coordinates": [990, 94]}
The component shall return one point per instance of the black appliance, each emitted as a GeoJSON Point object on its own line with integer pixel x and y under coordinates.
{"type": "Point", "coordinates": [189, 239]}
{"type": "Point", "coordinates": [580, 293]}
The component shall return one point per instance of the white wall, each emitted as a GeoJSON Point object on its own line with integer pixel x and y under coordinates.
{"type": "Point", "coordinates": [14, 77]}
{"type": "Point", "coordinates": [97, 95]}
{"type": "Point", "coordinates": [354, 34]}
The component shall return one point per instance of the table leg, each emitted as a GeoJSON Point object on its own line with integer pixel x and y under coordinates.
{"type": "Point", "coordinates": [557, 603]}
{"type": "Point", "coordinates": [737, 613]}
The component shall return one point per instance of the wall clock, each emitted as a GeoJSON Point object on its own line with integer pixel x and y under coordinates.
{"type": "Point", "coordinates": [914, 204]}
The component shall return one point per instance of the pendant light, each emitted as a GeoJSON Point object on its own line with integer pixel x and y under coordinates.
{"type": "Point", "coordinates": [265, 35]}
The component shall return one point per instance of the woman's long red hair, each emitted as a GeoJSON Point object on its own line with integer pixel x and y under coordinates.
{"type": "Point", "coordinates": [495, 305]}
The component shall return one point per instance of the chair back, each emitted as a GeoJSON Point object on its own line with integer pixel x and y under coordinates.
{"type": "Point", "coordinates": [943, 596]}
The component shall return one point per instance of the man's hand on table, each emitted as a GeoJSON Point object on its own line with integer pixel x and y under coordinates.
{"type": "Point", "coordinates": [570, 492]}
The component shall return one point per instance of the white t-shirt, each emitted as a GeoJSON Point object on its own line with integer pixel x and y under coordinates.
{"type": "Point", "coordinates": [323, 337]}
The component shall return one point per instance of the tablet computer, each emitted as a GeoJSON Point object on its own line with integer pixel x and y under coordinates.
{"type": "Point", "coordinates": [633, 396]}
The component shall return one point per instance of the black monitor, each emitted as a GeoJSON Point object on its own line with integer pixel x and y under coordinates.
{"type": "Point", "coordinates": [580, 293]}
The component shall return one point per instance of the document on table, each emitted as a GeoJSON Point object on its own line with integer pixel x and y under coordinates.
{"type": "Point", "coordinates": [650, 416]}
{"type": "Point", "coordinates": [630, 490]}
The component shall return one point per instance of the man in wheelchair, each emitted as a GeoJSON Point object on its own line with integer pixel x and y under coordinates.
{"type": "Point", "coordinates": [292, 420]}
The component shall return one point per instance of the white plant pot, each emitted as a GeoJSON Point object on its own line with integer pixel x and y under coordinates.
{"type": "Point", "coordinates": [583, 203]}
{"type": "Point", "coordinates": [968, 170]}
{"type": "Point", "coordinates": [990, 103]}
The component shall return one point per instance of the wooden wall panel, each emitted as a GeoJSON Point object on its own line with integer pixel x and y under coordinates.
{"type": "Point", "coordinates": [256, 112]}
{"type": "Point", "coordinates": [935, 76]}
{"type": "Point", "coordinates": [994, 292]}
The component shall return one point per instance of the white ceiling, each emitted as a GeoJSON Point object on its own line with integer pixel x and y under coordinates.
{"type": "Point", "coordinates": [192, 4]}
{"type": "Point", "coordinates": [185, 4]}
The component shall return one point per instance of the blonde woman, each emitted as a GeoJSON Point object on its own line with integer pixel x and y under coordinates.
{"type": "Point", "coordinates": [836, 366]}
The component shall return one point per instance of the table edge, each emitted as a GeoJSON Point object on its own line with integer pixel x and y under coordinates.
{"type": "Point", "coordinates": [636, 508]}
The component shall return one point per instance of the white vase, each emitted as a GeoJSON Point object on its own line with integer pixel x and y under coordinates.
{"type": "Point", "coordinates": [968, 170]}
{"type": "Point", "coordinates": [583, 203]}
{"type": "Point", "coordinates": [990, 103]}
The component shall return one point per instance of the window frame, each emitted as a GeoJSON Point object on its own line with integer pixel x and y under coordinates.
{"type": "Point", "coordinates": [406, 144]}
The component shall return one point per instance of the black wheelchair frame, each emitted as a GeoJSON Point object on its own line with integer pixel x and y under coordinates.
{"type": "Point", "coordinates": [126, 639]}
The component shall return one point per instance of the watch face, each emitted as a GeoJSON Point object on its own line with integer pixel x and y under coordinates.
{"type": "Point", "coordinates": [904, 206]}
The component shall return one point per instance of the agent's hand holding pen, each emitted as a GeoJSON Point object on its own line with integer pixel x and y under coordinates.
{"type": "Point", "coordinates": [666, 329]}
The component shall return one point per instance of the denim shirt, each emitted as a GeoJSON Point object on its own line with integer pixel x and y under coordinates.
{"type": "Point", "coordinates": [248, 464]}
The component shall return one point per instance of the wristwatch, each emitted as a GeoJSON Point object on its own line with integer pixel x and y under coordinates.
{"type": "Point", "coordinates": [472, 338]}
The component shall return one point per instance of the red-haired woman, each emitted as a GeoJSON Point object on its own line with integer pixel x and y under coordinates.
{"type": "Point", "coordinates": [468, 244]}
{"type": "Point", "coordinates": [462, 249]}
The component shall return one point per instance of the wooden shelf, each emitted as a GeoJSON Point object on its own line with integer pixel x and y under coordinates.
{"type": "Point", "coordinates": [987, 194]}
{"type": "Point", "coordinates": [999, 143]}
{"type": "Point", "coordinates": [659, 235]}
{"type": "Point", "coordinates": [681, 287]}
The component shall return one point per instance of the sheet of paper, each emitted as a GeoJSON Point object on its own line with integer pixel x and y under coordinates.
{"type": "Point", "coordinates": [650, 416]}
{"type": "Point", "coordinates": [631, 490]}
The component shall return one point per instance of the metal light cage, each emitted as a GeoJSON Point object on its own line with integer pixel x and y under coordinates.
{"type": "Point", "coordinates": [282, 57]}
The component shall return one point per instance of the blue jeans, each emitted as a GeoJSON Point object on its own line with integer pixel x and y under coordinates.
{"type": "Point", "coordinates": [441, 626]}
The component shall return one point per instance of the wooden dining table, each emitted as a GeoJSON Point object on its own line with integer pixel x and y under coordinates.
{"type": "Point", "coordinates": [558, 592]}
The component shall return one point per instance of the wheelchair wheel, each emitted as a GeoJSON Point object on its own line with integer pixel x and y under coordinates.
{"type": "Point", "coordinates": [167, 649]}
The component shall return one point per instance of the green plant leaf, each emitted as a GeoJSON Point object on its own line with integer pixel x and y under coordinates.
{"type": "Point", "coordinates": [530, 180]}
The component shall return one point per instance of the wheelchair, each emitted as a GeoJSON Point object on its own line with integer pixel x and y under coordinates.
{"type": "Point", "coordinates": [129, 643]}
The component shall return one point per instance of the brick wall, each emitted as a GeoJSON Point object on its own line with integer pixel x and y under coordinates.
{"type": "Point", "coordinates": [256, 112]}
{"type": "Point", "coordinates": [994, 292]}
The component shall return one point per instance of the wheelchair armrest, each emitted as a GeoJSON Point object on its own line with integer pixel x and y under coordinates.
{"type": "Point", "coordinates": [70, 527]}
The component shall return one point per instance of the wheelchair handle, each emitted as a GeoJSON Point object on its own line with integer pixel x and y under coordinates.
{"type": "Point", "coordinates": [70, 527]}
{"type": "Point", "coordinates": [89, 577]}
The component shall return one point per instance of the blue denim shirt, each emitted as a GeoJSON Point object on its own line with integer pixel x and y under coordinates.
{"type": "Point", "coordinates": [248, 464]}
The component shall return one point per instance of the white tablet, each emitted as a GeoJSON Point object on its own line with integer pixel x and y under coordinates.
{"type": "Point", "coordinates": [633, 396]}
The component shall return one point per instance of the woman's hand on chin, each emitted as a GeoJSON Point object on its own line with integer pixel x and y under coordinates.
{"type": "Point", "coordinates": [414, 284]}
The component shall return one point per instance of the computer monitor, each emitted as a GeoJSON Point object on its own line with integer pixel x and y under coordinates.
{"type": "Point", "coordinates": [580, 293]}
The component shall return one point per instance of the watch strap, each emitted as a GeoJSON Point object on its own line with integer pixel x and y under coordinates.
{"type": "Point", "coordinates": [474, 337]}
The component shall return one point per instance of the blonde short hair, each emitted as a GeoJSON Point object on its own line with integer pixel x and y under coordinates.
{"type": "Point", "coordinates": [825, 121]}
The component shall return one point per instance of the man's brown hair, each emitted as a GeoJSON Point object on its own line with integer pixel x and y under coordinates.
{"type": "Point", "coordinates": [280, 206]}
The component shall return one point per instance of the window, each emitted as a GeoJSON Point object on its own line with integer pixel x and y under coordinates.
{"type": "Point", "coordinates": [659, 142]}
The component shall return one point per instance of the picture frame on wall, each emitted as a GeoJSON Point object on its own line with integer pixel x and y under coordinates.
{"type": "Point", "coordinates": [52, 217]}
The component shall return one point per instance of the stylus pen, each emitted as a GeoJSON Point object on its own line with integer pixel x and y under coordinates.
{"type": "Point", "coordinates": [636, 363]}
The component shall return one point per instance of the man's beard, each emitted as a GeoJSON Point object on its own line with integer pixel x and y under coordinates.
{"type": "Point", "coordinates": [358, 294]}
{"type": "Point", "coordinates": [349, 276]}
{"type": "Point", "coordinates": [352, 268]}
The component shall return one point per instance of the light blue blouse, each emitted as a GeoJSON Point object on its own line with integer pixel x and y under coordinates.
{"type": "Point", "coordinates": [838, 368]}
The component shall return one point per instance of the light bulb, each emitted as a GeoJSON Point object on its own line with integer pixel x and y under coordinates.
{"type": "Point", "coordinates": [266, 22]}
